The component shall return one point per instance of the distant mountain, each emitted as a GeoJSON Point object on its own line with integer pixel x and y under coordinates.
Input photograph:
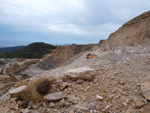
{"type": "Point", "coordinates": [8, 49]}
{"type": "Point", "coordinates": [34, 50]}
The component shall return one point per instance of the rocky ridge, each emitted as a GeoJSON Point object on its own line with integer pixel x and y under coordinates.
{"type": "Point", "coordinates": [133, 33]}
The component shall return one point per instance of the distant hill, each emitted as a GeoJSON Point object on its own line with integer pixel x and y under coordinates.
{"type": "Point", "coordinates": [8, 49]}
{"type": "Point", "coordinates": [34, 50]}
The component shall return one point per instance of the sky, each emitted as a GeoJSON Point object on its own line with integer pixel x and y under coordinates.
{"type": "Point", "coordinates": [64, 21]}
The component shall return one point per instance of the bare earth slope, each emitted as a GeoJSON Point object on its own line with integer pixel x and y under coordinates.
{"type": "Point", "coordinates": [132, 33]}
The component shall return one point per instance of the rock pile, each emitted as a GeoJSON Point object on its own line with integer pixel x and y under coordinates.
{"type": "Point", "coordinates": [32, 97]}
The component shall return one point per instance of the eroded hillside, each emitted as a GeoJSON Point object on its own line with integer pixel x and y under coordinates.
{"type": "Point", "coordinates": [134, 32]}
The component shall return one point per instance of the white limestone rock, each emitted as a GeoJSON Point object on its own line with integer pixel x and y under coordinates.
{"type": "Point", "coordinates": [54, 96]}
{"type": "Point", "coordinates": [18, 89]}
{"type": "Point", "coordinates": [83, 73]}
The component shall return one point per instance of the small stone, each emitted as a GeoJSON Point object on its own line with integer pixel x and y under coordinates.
{"type": "Point", "coordinates": [35, 106]}
{"type": "Point", "coordinates": [95, 81]}
{"type": "Point", "coordinates": [51, 105]}
{"type": "Point", "coordinates": [70, 89]}
{"type": "Point", "coordinates": [124, 62]}
{"type": "Point", "coordinates": [84, 109]}
{"type": "Point", "coordinates": [80, 81]}
{"type": "Point", "coordinates": [63, 86]}
{"type": "Point", "coordinates": [93, 111]}
{"type": "Point", "coordinates": [139, 104]}
{"type": "Point", "coordinates": [54, 96]}
{"type": "Point", "coordinates": [107, 107]}
{"type": "Point", "coordinates": [19, 102]}
{"type": "Point", "coordinates": [92, 105]}
{"type": "Point", "coordinates": [124, 103]}
{"type": "Point", "coordinates": [99, 97]}
{"type": "Point", "coordinates": [25, 110]}
{"type": "Point", "coordinates": [14, 107]}
{"type": "Point", "coordinates": [61, 103]}
{"type": "Point", "coordinates": [122, 82]}
{"type": "Point", "coordinates": [44, 104]}
{"type": "Point", "coordinates": [73, 100]}
{"type": "Point", "coordinates": [67, 104]}
{"type": "Point", "coordinates": [30, 104]}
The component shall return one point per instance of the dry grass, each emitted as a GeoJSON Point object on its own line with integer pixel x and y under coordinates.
{"type": "Point", "coordinates": [43, 87]}
{"type": "Point", "coordinates": [32, 93]}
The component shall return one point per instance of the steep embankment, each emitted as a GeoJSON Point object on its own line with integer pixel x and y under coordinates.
{"type": "Point", "coordinates": [62, 54]}
{"type": "Point", "coordinates": [134, 32]}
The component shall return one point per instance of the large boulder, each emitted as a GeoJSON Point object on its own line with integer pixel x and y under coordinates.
{"type": "Point", "coordinates": [145, 87]}
{"type": "Point", "coordinates": [83, 73]}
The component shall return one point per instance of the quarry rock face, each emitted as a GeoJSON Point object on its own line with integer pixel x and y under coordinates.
{"type": "Point", "coordinates": [62, 54]}
{"type": "Point", "coordinates": [134, 32]}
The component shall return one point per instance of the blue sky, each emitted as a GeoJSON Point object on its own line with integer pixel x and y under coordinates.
{"type": "Point", "coordinates": [64, 21]}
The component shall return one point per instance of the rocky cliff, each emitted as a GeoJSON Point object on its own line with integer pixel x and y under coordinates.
{"type": "Point", "coordinates": [62, 54]}
{"type": "Point", "coordinates": [134, 32]}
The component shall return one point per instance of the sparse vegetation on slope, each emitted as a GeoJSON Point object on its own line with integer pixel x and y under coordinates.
{"type": "Point", "coordinates": [34, 50]}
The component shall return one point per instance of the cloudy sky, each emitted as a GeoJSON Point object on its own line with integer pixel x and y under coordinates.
{"type": "Point", "coordinates": [64, 21]}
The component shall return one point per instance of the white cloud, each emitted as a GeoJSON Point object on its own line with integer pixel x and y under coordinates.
{"type": "Point", "coordinates": [77, 17]}
{"type": "Point", "coordinates": [103, 29]}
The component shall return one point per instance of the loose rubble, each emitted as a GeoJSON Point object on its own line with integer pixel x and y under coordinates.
{"type": "Point", "coordinates": [119, 82]}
